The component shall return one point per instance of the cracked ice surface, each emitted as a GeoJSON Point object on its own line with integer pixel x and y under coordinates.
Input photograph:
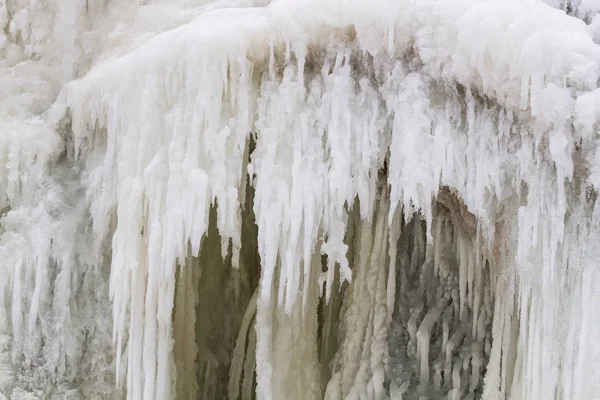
{"type": "Point", "coordinates": [299, 199]}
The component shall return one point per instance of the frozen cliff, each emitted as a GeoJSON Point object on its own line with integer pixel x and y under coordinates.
{"type": "Point", "coordinates": [299, 199]}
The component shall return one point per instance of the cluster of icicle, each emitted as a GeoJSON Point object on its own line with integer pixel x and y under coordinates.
{"type": "Point", "coordinates": [358, 113]}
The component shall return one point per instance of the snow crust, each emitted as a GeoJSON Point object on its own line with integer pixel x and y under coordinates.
{"type": "Point", "coordinates": [418, 179]}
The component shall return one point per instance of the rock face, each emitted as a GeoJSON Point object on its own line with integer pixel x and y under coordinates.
{"type": "Point", "coordinates": [308, 199]}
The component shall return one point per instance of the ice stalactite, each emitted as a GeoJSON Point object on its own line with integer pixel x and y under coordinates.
{"type": "Point", "coordinates": [299, 199]}
{"type": "Point", "coordinates": [441, 330]}
{"type": "Point", "coordinates": [213, 306]}
{"type": "Point", "coordinates": [54, 308]}
{"type": "Point", "coordinates": [358, 366]}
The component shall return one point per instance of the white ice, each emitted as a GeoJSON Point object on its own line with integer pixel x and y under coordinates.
{"type": "Point", "coordinates": [352, 199]}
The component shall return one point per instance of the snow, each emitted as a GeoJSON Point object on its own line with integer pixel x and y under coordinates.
{"type": "Point", "coordinates": [354, 199]}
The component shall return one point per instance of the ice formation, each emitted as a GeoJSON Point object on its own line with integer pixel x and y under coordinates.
{"type": "Point", "coordinates": [299, 199]}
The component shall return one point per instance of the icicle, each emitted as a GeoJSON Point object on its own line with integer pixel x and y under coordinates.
{"type": "Point", "coordinates": [423, 338]}
{"type": "Point", "coordinates": [394, 235]}
{"type": "Point", "coordinates": [239, 355]}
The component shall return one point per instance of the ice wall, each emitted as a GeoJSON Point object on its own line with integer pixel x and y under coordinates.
{"type": "Point", "coordinates": [299, 199]}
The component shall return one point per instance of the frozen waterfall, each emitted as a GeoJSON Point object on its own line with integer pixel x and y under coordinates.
{"type": "Point", "coordinates": [299, 199]}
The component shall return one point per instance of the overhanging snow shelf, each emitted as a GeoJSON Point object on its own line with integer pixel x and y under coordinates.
{"type": "Point", "coordinates": [299, 200]}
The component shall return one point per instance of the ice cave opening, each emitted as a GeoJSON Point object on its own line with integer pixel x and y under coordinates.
{"type": "Point", "coordinates": [299, 199]}
{"type": "Point", "coordinates": [440, 311]}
